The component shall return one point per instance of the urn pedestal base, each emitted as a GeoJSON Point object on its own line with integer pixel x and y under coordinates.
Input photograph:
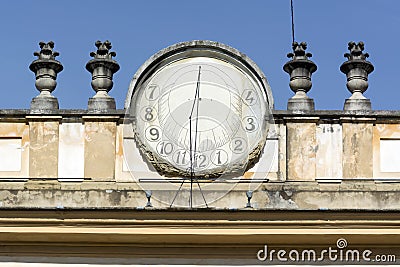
{"type": "Point", "coordinates": [357, 104]}
{"type": "Point", "coordinates": [99, 104]}
{"type": "Point", "coordinates": [39, 104]}
{"type": "Point", "coordinates": [300, 104]}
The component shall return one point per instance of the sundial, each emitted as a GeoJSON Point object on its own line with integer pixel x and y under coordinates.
{"type": "Point", "coordinates": [200, 113]}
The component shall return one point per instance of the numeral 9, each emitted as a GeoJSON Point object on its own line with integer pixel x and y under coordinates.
{"type": "Point", "coordinates": [153, 133]}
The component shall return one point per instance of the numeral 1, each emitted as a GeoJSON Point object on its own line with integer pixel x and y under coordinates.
{"type": "Point", "coordinates": [219, 157]}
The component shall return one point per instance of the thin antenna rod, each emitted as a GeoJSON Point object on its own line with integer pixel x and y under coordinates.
{"type": "Point", "coordinates": [191, 148]}
{"type": "Point", "coordinates": [193, 151]}
{"type": "Point", "coordinates": [292, 15]}
{"type": "Point", "coordinates": [201, 191]}
{"type": "Point", "coordinates": [180, 187]}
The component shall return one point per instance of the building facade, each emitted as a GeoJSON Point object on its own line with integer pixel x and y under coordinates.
{"type": "Point", "coordinates": [76, 186]}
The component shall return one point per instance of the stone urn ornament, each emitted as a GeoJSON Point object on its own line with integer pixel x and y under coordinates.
{"type": "Point", "coordinates": [102, 67]}
{"type": "Point", "coordinates": [357, 69]}
{"type": "Point", "coordinates": [45, 68]}
{"type": "Point", "coordinates": [300, 69]}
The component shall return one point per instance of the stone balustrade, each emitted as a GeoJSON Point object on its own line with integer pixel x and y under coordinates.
{"type": "Point", "coordinates": [329, 152]}
{"type": "Point", "coordinates": [326, 151]}
{"type": "Point", "coordinates": [102, 67]}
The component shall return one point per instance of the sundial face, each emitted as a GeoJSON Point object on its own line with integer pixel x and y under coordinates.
{"type": "Point", "coordinates": [200, 114]}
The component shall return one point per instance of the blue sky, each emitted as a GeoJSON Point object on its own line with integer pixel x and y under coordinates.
{"type": "Point", "coordinates": [258, 28]}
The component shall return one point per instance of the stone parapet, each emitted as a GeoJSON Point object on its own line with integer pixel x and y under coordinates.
{"type": "Point", "coordinates": [351, 194]}
{"type": "Point", "coordinates": [325, 145]}
{"type": "Point", "coordinates": [343, 151]}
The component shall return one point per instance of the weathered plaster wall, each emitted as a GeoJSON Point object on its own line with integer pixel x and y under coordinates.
{"type": "Point", "coordinates": [301, 150]}
{"type": "Point", "coordinates": [100, 143]}
{"type": "Point", "coordinates": [357, 149]}
{"type": "Point", "coordinates": [43, 148]}
{"type": "Point", "coordinates": [329, 152]}
{"type": "Point", "coordinates": [386, 138]}
{"type": "Point", "coordinates": [18, 131]}
{"type": "Point", "coordinates": [71, 151]}
{"type": "Point", "coordinates": [324, 160]}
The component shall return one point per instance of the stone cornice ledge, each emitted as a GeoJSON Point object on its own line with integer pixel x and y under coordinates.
{"type": "Point", "coordinates": [201, 228]}
{"type": "Point", "coordinates": [319, 116]}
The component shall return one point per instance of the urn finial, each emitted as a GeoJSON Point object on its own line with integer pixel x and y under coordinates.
{"type": "Point", "coordinates": [102, 67]}
{"type": "Point", "coordinates": [103, 50]}
{"type": "Point", "coordinates": [357, 69]}
{"type": "Point", "coordinates": [300, 69]}
{"type": "Point", "coordinates": [46, 51]}
{"type": "Point", "coordinates": [45, 68]}
{"type": "Point", "coordinates": [299, 51]}
{"type": "Point", "coordinates": [356, 51]}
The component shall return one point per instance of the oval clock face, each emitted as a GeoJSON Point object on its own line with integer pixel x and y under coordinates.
{"type": "Point", "coordinates": [200, 116]}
